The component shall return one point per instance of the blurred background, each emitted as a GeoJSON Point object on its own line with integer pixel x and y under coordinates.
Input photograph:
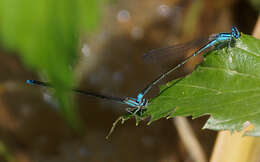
{"type": "Point", "coordinates": [108, 61]}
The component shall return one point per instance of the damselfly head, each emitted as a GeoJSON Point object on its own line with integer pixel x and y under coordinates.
{"type": "Point", "coordinates": [32, 82]}
{"type": "Point", "coordinates": [235, 33]}
{"type": "Point", "coordinates": [142, 102]}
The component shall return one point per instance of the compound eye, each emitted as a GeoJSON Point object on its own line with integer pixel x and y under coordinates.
{"type": "Point", "coordinates": [235, 32]}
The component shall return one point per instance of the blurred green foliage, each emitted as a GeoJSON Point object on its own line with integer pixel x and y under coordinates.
{"type": "Point", "coordinates": [192, 17]}
{"type": "Point", "coordinates": [256, 4]}
{"type": "Point", "coordinates": [45, 33]}
{"type": "Point", "coordinates": [5, 154]}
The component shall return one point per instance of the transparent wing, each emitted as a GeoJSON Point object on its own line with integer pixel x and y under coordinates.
{"type": "Point", "coordinates": [173, 52]}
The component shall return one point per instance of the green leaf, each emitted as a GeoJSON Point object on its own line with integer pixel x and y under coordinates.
{"type": "Point", "coordinates": [46, 35]}
{"type": "Point", "coordinates": [225, 86]}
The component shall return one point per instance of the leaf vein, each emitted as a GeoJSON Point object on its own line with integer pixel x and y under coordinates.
{"type": "Point", "coordinates": [231, 71]}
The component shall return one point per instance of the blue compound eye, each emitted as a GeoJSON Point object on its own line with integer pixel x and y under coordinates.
{"type": "Point", "coordinates": [235, 32]}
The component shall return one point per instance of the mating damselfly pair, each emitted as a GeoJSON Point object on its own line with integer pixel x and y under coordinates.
{"type": "Point", "coordinates": [138, 105]}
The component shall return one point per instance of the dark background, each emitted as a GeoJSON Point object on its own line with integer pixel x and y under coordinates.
{"type": "Point", "coordinates": [32, 129]}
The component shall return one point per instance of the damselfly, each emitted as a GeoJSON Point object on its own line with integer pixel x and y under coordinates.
{"type": "Point", "coordinates": [214, 40]}
{"type": "Point", "coordinates": [139, 103]}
